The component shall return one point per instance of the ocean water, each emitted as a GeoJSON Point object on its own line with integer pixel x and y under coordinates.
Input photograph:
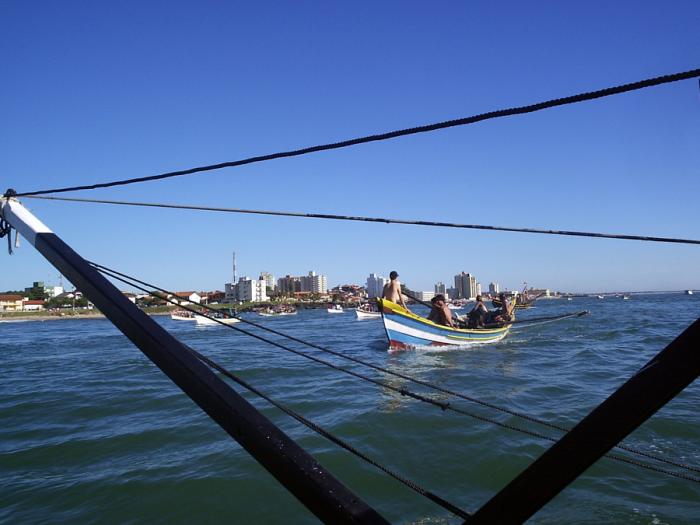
{"type": "Point", "coordinates": [92, 432]}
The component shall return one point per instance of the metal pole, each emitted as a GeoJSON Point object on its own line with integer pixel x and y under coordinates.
{"type": "Point", "coordinates": [300, 473]}
{"type": "Point", "coordinates": [659, 381]}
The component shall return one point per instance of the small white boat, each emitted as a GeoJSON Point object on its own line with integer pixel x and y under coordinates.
{"type": "Point", "coordinates": [625, 297]}
{"type": "Point", "coordinates": [569, 299]}
{"type": "Point", "coordinates": [455, 306]}
{"type": "Point", "coordinates": [335, 309]}
{"type": "Point", "coordinates": [365, 314]}
{"type": "Point", "coordinates": [206, 321]}
{"type": "Point", "coordinates": [182, 315]}
{"type": "Point", "coordinates": [601, 297]}
{"type": "Point", "coordinates": [689, 292]}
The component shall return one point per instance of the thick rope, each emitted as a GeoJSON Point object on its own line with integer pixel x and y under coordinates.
{"type": "Point", "coordinates": [665, 79]}
{"type": "Point", "coordinates": [378, 219]}
{"type": "Point", "coordinates": [405, 392]}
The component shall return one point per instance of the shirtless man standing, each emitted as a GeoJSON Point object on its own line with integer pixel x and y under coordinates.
{"type": "Point", "coordinates": [392, 290]}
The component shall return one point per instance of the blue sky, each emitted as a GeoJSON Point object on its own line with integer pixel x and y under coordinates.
{"type": "Point", "coordinates": [96, 91]}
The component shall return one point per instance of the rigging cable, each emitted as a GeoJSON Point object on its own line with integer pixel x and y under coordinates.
{"type": "Point", "coordinates": [615, 90]}
{"type": "Point", "coordinates": [377, 219]}
{"type": "Point", "coordinates": [331, 437]}
{"type": "Point", "coordinates": [403, 391]}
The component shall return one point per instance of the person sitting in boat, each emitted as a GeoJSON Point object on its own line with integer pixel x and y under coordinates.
{"type": "Point", "coordinates": [440, 313]}
{"type": "Point", "coordinates": [392, 290]}
{"type": "Point", "coordinates": [478, 315]}
{"type": "Point", "coordinates": [506, 312]}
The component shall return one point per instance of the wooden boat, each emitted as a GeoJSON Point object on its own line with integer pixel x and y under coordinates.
{"type": "Point", "coordinates": [182, 315]}
{"type": "Point", "coordinates": [405, 329]}
{"type": "Point", "coordinates": [521, 302]}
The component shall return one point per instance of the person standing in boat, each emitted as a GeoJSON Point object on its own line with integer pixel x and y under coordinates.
{"type": "Point", "coordinates": [392, 290]}
{"type": "Point", "coordinates": [440, 313]}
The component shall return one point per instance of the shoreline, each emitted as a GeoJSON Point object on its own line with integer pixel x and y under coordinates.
{"type": "Point", "coordinates": [58, 317]}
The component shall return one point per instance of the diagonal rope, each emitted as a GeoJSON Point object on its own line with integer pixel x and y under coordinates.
{"type": "Point", "coordinates": [520, 110]}
{"type": "Point", "coordinates": [374, 219]}
{"type": "Point", "coordinates": [403, 391]}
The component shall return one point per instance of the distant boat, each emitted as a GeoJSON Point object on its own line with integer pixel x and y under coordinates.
{"type": "Point", "coordinates": [367, 311]}
{"type": "Point", "coordinates": [600, 296]}
{"type": "Point", "coordinates": [278, 311]}
{"type": "Point", "coordinates": [625, 297]}
{"type": "Point", "coordinates": [689, 292]}
{"type": "Point", "coordinates": [455, 306]}
{"type": "Point", "coordinates": [361, 314]}
{"type": "Point", "coordinates": [206, 321]}
{"type": "Point", "coordinates": [569, 299]}
{"type": "Point", "coordinates": [335, 309]}
{"type": "Point", "coordinates": [182, 315]}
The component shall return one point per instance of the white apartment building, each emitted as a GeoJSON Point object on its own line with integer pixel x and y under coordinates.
{"type": "Point", "coordinates": [246, 290]}
{"type": "Point", "coordinates": [375, 285]}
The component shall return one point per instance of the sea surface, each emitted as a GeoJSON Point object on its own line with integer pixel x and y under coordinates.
{"type": "Point", "coordinates": [92, 432]}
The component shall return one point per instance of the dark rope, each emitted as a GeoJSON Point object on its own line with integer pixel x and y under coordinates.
{"type": "Point", "coordinates": [379, 219]}
{"type": "Point", "coordinates": [444, 406]}
{"type": "Point", "coordinates": [665, 79]}
{"type": "Point", "coordinates": [331, 437]}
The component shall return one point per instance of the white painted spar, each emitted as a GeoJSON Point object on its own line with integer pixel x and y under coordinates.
{"type": "Point", "coordinates": [22, 219]}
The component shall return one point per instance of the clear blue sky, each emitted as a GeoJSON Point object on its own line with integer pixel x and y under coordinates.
{"type": "Point", "coordinates": [96, 91]}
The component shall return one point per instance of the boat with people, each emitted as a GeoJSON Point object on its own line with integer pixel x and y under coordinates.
{"type": "Point", "coordinates": [216, 318]}
{"type": "Point", "coordinates": [368, 311]}
{"type": "Point", "coordinates": [182, 315]}
{"type": "Point", "coordinates": [335, 309]}
{"type": "Point", "coordinates": [405, 329]}
{"type": "Point", "coordinates": [279, 310]}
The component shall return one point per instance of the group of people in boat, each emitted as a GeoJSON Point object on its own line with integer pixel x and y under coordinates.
{"type": "Point", "coordinates": [478, 317]}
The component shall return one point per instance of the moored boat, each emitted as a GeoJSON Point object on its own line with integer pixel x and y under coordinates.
{"type": "Point", "coordinates": [404, 329]}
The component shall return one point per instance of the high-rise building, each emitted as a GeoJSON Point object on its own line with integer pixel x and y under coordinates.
{"type": "Point", "coordinates": [478, 289]}
{"type": "Point", "coordinates": [314, 283]}
{"type": "Point", "coordinates": [440, 288]}
{"type": "Point", "coordinates": [269, 279]}
{"type": "Point", "coordinates": [465, 283]}
{"type": "Point", "coordinates": [375, 285]}
{"type": "Point", "coordinates": [288, 285]}
{"type": "Point", "coordinates": [493, 288]}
